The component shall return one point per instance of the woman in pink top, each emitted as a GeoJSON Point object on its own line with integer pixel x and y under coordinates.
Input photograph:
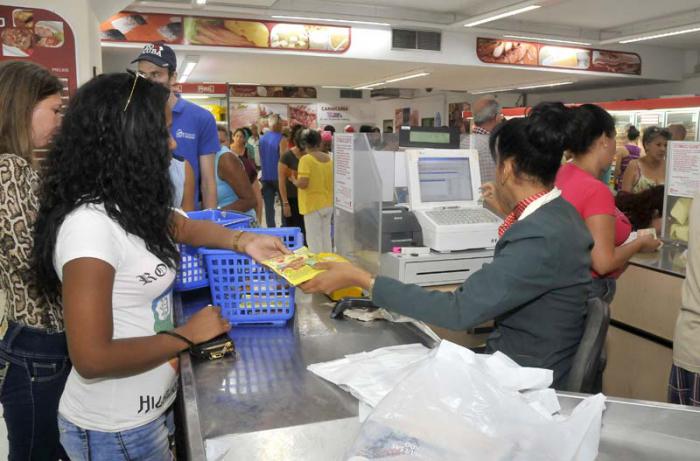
{"type": "Point", "coordinates": [592, 144]}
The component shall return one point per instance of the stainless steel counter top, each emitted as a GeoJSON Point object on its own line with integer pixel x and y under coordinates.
{"type": "Point", "coordinates": [265, 405]}
{"type": "Point", "coordinates": [667, 260]}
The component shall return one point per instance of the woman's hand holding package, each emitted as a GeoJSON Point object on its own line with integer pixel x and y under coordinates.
{"type": "Point", "coordinates": [649, 243]}
{"type": "Point", "coordinates": [335, 277]}
{"type": "Point", "coordinates": [261, 247]}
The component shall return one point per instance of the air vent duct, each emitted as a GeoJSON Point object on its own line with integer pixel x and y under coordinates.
{"type": "Point", "coordinates": [407, 39]}
{"type": "Point", "coordinates": [351, 94]}
{"type": "Point", "coordinates": [393, 93]}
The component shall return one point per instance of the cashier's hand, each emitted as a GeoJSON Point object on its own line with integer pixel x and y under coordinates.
{"type": "Point", "coordinates": [488, 195]}
{"type": "Point", "coordinates": [335, 277]}
{"type": "Point", "coordinates": [649, 244]}
{"type": "Point", "coordinates": [261, 247]}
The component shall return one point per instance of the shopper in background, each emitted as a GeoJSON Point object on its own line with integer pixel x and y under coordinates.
{"type": "Point", "coordinates": [678, 132]}
{"type": "Point", "coordinates": [644, 209]}
{"type": "Point", "coordinates": [254, 142]}
{"type": "Point", "coordinates": [288, 168]}
{"type": "Point", "coordinates": [326, 141]}
{"type": "Point", "coordinates": [272, 144]}
{"type": "Point", "coordinates": [182, 177]}
{"type": "Point", "coordinates": [536, 287]}
{"type": "Point", "coordinates": [349, 129]}
{"type": "Point", "coordinates": [625, 154]}
{"type": "Point", "coordinates": [234, 190]}
{"type": "Point", "coordinates": [684, 382]}
{"type": "Point", "coordinates": [251, 169]}
{"type": "Point", "coordinates": [650, 170]}
{"type": "Point", "coordinates": [330, 128]}
{"type": "Point", "coordinates": [315, 189]}
{"type": "Point", "coordinates": [194, 128]}
{"type": "Point", "coordinates": [487, 115]}
{"type": "Point", "coordinates": [34, 361]}
{"type": "Point", "coordinates": [106, 238]}
{"type": "Point", "coordinates": [591, 134]}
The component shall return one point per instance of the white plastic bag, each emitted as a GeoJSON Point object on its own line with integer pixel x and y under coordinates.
{"type": "Point", "coordinates": [369, 376]}
{"type": "Point", "coordinates": [456, 405]}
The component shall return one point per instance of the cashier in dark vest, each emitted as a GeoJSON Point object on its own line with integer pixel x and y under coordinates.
{"type": "Point", "coordinates": [537, 285]}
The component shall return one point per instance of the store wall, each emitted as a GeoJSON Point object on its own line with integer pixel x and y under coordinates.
{"type": "Point", "coordinates": [81, 17]}
{"type": "Point", "coordinates": [688, 86]}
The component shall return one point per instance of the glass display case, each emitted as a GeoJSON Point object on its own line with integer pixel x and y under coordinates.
{"type": "Point", "coordinates": [682, 183]}
{"type": "Point", "coordinates": [689, 119]}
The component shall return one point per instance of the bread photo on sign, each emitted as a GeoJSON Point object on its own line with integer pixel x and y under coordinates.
{"type": "Point", "coordinates": [253, 31]}
{"type": "Point", "coordinates": [23, 18]}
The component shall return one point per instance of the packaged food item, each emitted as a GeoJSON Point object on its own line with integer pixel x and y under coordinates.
{"type": "Point", "coordinates": [298, 267]}
{"type": "Point", "coordinates": [125, 24]}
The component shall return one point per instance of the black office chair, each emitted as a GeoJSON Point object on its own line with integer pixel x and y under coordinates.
{"type": "Point", "coordinates": [586, 373]}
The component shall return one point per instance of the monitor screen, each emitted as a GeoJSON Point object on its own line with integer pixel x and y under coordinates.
{"type": "Point", "coordinates": [445, 179]}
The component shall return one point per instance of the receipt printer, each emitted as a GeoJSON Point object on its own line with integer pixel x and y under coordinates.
{"type": "Point", "coordinates": [400, 228]}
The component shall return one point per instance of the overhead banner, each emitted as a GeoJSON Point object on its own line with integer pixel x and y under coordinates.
{"type": "Point", "coordinates": [227, 32]}
{"type": "Point", "coordinates": [533, 54]}
{"type": "Point", "coordinates": [272, 91]}
{"type": "Point", "coordinates": [42, 37]}
{"type": "Point", "coordinates": [201, 88]}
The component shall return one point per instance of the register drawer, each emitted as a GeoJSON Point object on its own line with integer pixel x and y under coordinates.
{"type": "Point", "coordinates": [442, 272]}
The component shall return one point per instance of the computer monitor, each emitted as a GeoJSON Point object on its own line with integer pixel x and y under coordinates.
{"type": "Point", "coordinates": [443, 178]}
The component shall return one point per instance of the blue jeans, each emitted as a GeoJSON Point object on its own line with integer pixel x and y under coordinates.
{"type": "Point", "coordinates": [145, 443]}
{"type": "Point", "coordinates": [34, 366]}
{"type": "Point", "coordinates": [269, 190]}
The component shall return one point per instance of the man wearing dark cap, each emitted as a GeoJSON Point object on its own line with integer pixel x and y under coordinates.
{"type": "Point", "coordinates": [193, 128]}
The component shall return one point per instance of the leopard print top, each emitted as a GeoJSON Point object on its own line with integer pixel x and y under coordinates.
{"type": "Point", "coordinates": [24, 302]}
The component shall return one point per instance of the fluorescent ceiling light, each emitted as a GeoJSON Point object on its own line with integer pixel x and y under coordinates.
{"type": "Point", "coordinates": [392, 80]}
{"type": "Point", "coordinates": [369, 86]}
{"type": "Point", "coordinates": [495, 90]}
{"type": "Point", "coordinates": [200, 2]}
{"type": "Point", "coordinates": [493, 17]}
{"type": "Point", "coordinates": [543, 85]}
{"type": "Point", "coordinates": [247, 84]}
{"type": "Point", "coordinates": [406, 77]}
{"type": "Point", "coordinates": [190, 62]}
{"type": "Point", "coordinates": [570, 42]}
{"type": "Point", "coordinates": [658, 35]}
{"type": "Point", "coordinates": [333, 87]}
{"type": "Point", "coordinates": [194, 96]}
{"type": "Point", "coordinates": [344, 21]}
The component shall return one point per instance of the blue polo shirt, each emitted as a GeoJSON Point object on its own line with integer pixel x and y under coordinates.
{"type": "Point", "coordinates": [194, 130]}
{"type": "Point", "coordinates": [270, 154]}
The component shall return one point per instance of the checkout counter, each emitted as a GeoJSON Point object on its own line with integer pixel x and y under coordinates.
{"type": "Point", "coordinates": [264, 404]}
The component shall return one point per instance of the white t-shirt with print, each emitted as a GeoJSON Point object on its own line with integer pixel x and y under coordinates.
{"type": "Point", "coordinates": [141, 306]}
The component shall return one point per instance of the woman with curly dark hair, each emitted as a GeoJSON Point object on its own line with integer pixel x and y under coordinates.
{"type": "Point", "coordinates": [106, 238]}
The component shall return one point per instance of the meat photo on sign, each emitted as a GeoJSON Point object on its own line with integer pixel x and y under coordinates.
{"type": "Point", "coordinates": [17, 42]}
{"type": "Point", "coordinates": [506, 52]}
{"type": "Point", "coordinates": [302, 115]}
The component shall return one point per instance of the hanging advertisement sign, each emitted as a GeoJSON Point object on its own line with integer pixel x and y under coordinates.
{"type": "Point", "coordinates": [228, 32]}
{"type": "Point", "coordinates": [527, 53]}
{"type": "Point", "coordinates": [42, 37]}
{"type": "Point", "coordinates": [272, 91]}
{"type": "Point", "coordinates": [201, 88]}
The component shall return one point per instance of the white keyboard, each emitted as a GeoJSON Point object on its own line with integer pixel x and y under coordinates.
{"type": "Point", "coordinates": [461, 216]}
